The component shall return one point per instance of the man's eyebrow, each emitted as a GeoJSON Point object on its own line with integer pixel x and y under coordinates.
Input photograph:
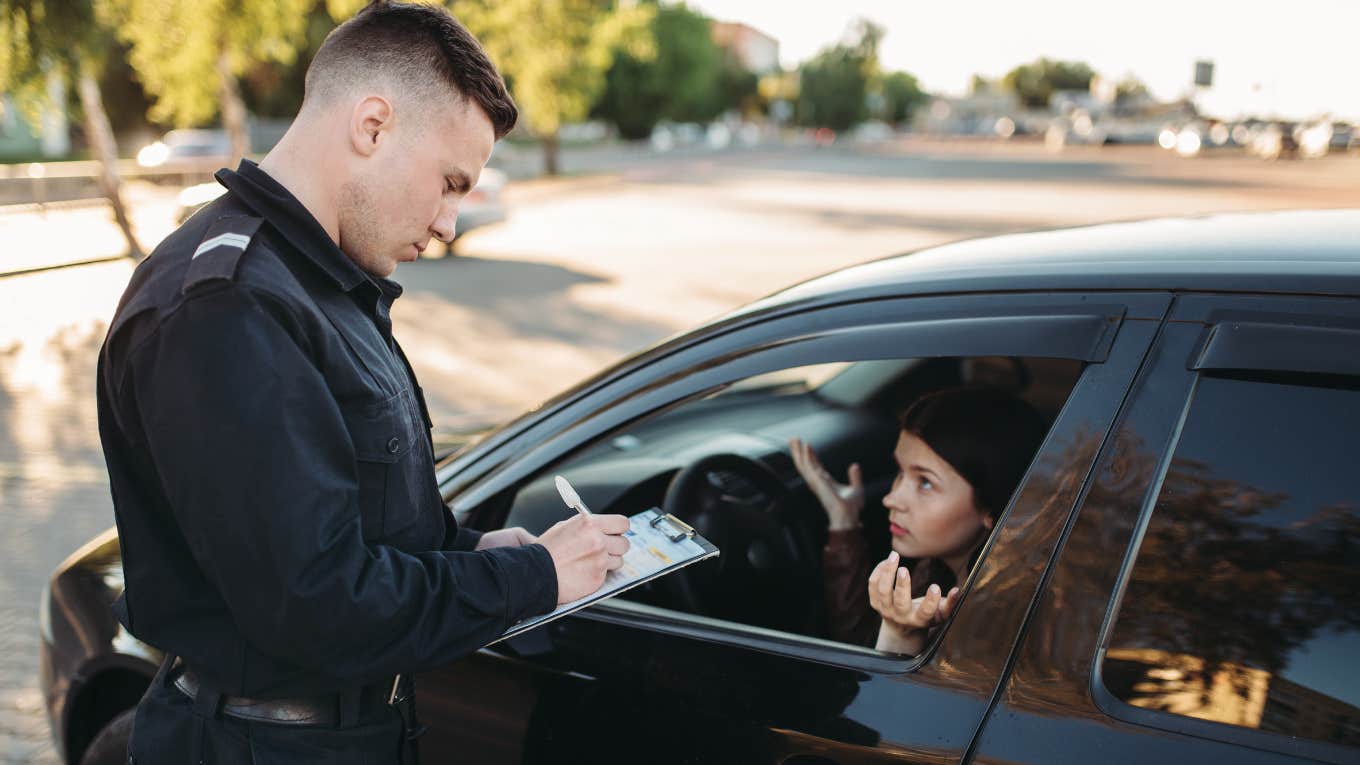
{"type": "Point", "coordinates": [461, 179]}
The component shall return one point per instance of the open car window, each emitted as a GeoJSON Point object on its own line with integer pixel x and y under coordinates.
{"type": "Point", "coordinates": [747, 495]}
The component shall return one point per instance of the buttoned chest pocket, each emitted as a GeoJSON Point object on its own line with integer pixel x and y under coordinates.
{"type": "Point", "coordinates": [396, 476]}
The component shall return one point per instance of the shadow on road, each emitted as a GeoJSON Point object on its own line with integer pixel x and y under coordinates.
{"type": "Point", "coordinates": [488, 336]}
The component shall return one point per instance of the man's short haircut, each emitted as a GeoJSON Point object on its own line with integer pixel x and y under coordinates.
{"type": "Point", "coordinates": [416, 47]}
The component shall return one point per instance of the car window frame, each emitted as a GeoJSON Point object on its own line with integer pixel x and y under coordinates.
{"type": "Point", "coordinates": [1252, 335]}
{"type": "Point", "coordinates": [471, 468]}
{"type": "Point", "coordinates": [971, 325]}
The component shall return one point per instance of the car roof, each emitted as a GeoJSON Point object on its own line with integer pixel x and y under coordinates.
{"type": "Point", "coordinates": [1311, 252]}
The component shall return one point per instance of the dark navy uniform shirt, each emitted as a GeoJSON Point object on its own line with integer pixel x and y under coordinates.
{"type": "Point", "coordinates": [272, 473]}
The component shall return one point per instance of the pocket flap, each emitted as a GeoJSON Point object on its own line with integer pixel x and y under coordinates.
{"type": "Point", "coordinates": [381, 431]}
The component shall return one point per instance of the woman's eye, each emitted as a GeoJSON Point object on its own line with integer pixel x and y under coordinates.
{"type": "Point", "coordinates": [926, 484]}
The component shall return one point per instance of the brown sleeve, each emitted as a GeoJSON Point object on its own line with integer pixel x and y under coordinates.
{"type": "Point", "coordinates": [845, 569]}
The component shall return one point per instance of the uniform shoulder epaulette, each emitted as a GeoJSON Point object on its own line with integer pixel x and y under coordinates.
{"type": "Point", "coordinates": [217, 256]}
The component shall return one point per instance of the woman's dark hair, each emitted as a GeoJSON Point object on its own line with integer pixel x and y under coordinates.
{"type": "Point", "coordinates": [988, 436]}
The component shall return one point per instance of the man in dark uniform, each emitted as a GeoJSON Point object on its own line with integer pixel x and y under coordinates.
{"type": "Point", "coordinates": [284, 541]}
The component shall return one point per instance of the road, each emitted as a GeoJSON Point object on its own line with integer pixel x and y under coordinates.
{"type": "Point", "coordinates": [587, 270]}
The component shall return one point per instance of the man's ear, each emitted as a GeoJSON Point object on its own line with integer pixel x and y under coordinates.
{"type": "Point", "coordinates": [370, 124]}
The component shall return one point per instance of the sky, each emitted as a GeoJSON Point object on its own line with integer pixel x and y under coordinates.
{"type": "Point", "coordinates": [1295, 59]}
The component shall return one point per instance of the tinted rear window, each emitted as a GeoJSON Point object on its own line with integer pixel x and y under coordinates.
{"type": "Point", "coordinates": [1242, 607]}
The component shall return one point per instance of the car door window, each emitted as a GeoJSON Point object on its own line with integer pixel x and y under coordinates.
{"type": "Point", "coordinates": [1241, 606]}
{"type": "Point", "coordinates": [750, 498]}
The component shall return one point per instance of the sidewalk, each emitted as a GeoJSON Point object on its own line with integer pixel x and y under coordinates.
{"type": "Point", "coordinates": [36, 239]}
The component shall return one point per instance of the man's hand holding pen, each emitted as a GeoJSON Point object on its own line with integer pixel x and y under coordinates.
{"type": "Point", "coordinates": [584, 548]}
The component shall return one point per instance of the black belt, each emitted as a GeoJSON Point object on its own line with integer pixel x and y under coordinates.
{"type": "Point", "coordinates": [332, 709]}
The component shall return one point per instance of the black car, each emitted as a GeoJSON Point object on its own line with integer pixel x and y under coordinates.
{"type": "Point", "coordinates": [1173, 581]}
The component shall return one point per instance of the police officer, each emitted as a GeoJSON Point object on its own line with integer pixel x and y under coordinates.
{"type": "Point", "coordinates": [283, 538]}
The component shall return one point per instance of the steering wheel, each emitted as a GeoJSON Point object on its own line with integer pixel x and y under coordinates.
{"type": "Point", "coordinates": [767, 572]}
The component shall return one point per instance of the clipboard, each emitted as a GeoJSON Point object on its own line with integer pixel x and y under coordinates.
{"type": "Point", "coordinates": [659, 544]}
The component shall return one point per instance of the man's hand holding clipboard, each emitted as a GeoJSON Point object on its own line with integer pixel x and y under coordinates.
{"type": "Point", "coordinates": [624, 553]}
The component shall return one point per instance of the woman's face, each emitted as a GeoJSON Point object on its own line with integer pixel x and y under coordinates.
{"type": "Point", "coordinates": [930, 507]}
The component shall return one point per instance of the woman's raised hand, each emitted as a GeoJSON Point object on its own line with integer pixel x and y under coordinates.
{"type": "Point", "coordinates": [842, 502]}
{"type": "Point", "coordinates": [906, 620]}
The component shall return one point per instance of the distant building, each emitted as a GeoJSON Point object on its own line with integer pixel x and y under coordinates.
{"type": "Point", "coordinates": [49, 138]}
{"type": "Point", "coordinates": [17, 138]}
{"type": "Point", "coordinates": [756, 51]}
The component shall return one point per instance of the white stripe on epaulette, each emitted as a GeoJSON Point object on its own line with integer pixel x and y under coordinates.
{"type": "Point", "coordinates": [223, 240]}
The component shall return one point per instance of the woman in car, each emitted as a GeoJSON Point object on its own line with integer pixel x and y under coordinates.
{"type": "Point", "coordinates": [960, 454]}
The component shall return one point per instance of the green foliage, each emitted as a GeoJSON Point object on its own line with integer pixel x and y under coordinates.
{"type": "Point", "coordinates": [834, 85]}
{"type": "Point", "coordinates": [739, 87]}
{"type": "Point", "coordinates": [1035, 83]}
{"type": "Point", "coordinates": [683, 82]}
{"type": "Point", "coordinates": [555, 53]}
{"type": "Point", "coordinates": [41, 36]}
{"type": "Point", "coordinates": [902, 95]}
{"type": "Point", "coordinates": [175, 46]}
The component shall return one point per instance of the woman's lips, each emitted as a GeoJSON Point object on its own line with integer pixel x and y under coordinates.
{"type": "Point", "coordinates": [896, 530]}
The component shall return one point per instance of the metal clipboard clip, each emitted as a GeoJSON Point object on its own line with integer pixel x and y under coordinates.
{"type": "Point", "coordinates": [675, 530]}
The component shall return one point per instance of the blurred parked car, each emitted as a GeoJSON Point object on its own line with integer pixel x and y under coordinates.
{"type": "Point", "coordinates": [1314, 138]}
{"type": "Point", "coordinates": [1167, 584]}
{"type": "Point", "coordinates": [196, 146]}
{"type": "Point", "coordinates": [1275, 140]}
{"type": "Point", "coordinates": [1194, 138]}
{"type": "Point", "coordinates": [198, 150]}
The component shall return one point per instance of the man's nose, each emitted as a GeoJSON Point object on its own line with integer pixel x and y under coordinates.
{"type": "Point", "coordinates": [446, 223]}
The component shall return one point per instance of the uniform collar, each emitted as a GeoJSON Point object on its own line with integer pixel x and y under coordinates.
{"type": "Point", "coordinates": [271, 201]}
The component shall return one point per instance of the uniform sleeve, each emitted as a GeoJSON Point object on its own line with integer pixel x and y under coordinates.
{"type": "Point", "coordinates": [253, 455]}
{"type": "Point", "coordinates": [465, 539]}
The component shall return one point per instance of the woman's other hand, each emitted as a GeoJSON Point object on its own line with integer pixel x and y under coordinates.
{"type": "Point", "coordinates": [906, 620]}
{"type": "Point", "coordinates": [842, 502]}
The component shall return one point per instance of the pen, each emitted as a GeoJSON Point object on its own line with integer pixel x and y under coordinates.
{"type": "Point", "coordinates": [570, 496]}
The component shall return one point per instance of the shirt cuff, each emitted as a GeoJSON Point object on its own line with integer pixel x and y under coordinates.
{"type": "Point", "coordinates": [466, 540]}
{"type": "Point", "coordinates": [531, 580]}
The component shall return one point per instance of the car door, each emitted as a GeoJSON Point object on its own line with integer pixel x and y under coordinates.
{"type": "Point", "coordinates": [1203, 605]}
{"type": "Point", "coordinates": [625, 681]}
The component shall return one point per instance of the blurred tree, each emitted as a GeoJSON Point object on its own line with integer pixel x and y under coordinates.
{"type": "Point", "coordinates": [190, 53]}
{"type": "Point", "coordinates": [902, 95]}
{"type": "Point", "coordinates": [979, 84]}
{"type": "Point", "coordinates": [681, 82]}
{"type": "Point", "coordinates": [834, 84]}
{"type": "Point", "coordinates": [739, 87]}
{"type": "Point", "coordinates": [1035, 83]}
{"type": "Point", "coordinates": [554, 54]}
{"type": "Point", "coordinates": [67, 38]}
{"type": "Point", "coordinates": [275, 89]}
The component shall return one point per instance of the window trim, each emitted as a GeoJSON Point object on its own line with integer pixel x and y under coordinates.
{"type": "Point", "coordinates": [1051, 325]}
{"type": "Point", "coordinates": [1268, 347]}
{"type": "Point", "coordinates": [466, 469]}
{"type": "Point", "coordinates": [1038, 332]}
{"type": "Point", "coordinates": [1106, 701]}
